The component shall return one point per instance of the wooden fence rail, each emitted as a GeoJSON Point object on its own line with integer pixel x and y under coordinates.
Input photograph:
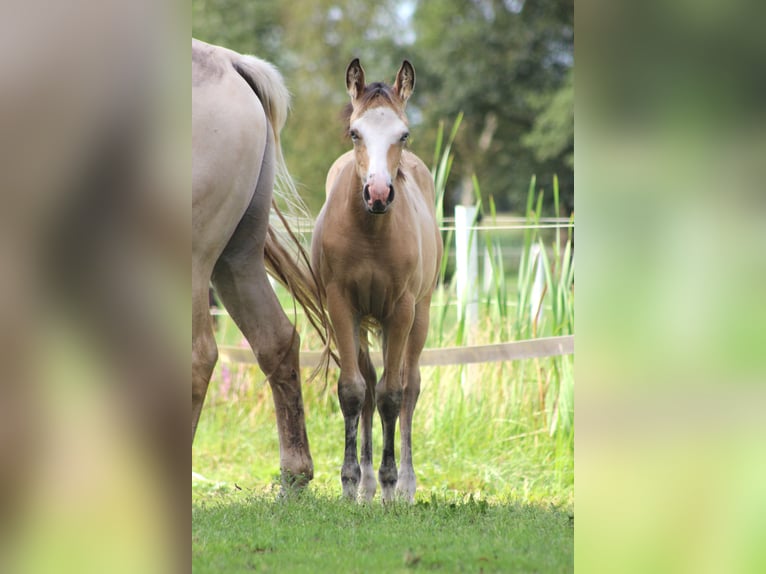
{"type": "Point", "coordinates": [513, 351]}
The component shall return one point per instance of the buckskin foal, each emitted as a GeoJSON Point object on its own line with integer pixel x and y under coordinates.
{"type": "Point", "coordinates": [377, 248]}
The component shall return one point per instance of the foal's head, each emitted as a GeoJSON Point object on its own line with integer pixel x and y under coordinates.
{"type": "Point", "coordinates": [377, 126]}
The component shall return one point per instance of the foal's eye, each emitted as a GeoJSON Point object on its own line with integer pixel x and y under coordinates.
{"type": "Point", "coordinates": [354, 135]}
{"type": "Point", "coordinates": [404, 137]}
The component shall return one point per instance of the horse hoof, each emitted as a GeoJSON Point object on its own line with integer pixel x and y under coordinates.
{"type": "Point", "coordinates": [350, 487]}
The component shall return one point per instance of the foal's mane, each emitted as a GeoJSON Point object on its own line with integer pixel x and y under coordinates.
{"type": "Point", "coordinates": [375, 94]}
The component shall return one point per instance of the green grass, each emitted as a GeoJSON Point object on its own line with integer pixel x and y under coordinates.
{"type": "Point", "coordinates": [490, 439]}
{"type": "Point", "coordinates": [493, 447]}
{"type": "Point", "coordinates": [244, 532]}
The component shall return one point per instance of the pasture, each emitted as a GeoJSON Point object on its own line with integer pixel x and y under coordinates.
{"type": "Point", "coordinates": [493, 443]}
{"type": "Point", "coordinates": [493, 449]}
{"type": "Point", "coordinates": [495, 487]}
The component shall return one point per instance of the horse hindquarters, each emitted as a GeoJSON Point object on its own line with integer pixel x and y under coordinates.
{"type": "Point", "coordinates": [242, 283]}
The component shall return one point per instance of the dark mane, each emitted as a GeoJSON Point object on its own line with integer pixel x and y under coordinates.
{"type": "Point", "coordinates": [372, 92]}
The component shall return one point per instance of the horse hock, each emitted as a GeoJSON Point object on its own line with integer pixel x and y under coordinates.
{"type": "Point", "coordinates": [296, 464]}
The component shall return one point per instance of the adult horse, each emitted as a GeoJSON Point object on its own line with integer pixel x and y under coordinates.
{"type": "Point", "coordinates": [239, 105]}
{"type": "Point", "coordinates": [377, 248]}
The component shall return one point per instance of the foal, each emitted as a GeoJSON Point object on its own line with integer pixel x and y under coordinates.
{"type": "Point", "coordinates": [377, 249]}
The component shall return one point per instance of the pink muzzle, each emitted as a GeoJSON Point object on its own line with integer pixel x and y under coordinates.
{"type": "Point", "coordinates": [378, 194]}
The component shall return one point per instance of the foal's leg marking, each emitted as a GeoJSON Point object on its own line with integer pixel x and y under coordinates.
{"type": "Point", "coordinates": [349, 472]}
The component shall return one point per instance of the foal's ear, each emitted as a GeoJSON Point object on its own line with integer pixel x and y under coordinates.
{"type": "Point", "coordinates": [355, 79]}
{"type": "Point", "coordinates": [405, 81]}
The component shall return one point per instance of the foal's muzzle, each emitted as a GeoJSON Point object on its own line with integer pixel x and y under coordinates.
{"type": "Point", "coordinates": [376, 203]}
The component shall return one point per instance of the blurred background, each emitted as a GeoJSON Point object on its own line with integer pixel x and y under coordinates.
{"type": "Point", "coordinates": [671, 141]}
{"type": "Point", "coordinates": [506, 64]}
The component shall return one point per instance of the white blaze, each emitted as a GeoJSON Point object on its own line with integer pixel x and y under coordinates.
{"type": "Point", "coordinates": [380, 128]}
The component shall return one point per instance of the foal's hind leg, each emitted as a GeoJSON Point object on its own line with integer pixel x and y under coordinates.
{"type": "Point", "coordinates": [369, 484]}
{"type": "Point", "coordinates": [406, 484]}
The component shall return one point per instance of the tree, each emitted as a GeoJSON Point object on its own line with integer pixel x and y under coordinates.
{"type": "Point", "coordinates": [501, 63]}
{"type": "Point", "coordinates": [507, 64]}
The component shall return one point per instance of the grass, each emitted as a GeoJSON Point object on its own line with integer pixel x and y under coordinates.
{"type": "Point", "coordinates": [243, 532]}
{"type": "Point", "coordinates": [481, 442]}
{"type": "Point", "coordinates": [493, 445]}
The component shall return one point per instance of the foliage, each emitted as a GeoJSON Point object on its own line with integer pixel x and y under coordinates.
{"type": "Point", "coordinates": [553, 131]}
{"type": "Point", "coordinates": [498, 62]}
{"type": "Point", "coordinates": [506, 64]}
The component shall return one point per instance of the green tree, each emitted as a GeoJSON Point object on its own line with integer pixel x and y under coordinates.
{"type": "Point", "coordinates": [506, 64]}
{"type": "Point", "coordinates": [245, 26]}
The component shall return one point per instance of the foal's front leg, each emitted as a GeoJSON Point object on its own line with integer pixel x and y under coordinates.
{"type": "Point", "coordinates": [407, 484]}
{"type": "Point", "coordinates": [369, 483]}
{"type": "Point", "coordinates": [351, 387]}
{"type": "Point", "coordinates": [389, 391]}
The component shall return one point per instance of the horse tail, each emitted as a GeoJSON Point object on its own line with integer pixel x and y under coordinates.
{"type": "Point", "coordinates": [285, 256]}
{"type": "Point", "coordinates": [295, 273]}
{"type": "Point", "coordinates": [267, 83]}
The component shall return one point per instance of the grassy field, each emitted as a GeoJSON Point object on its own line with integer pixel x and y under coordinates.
{"type": "Point", "coordinates": [316, 532]}
{"type": "Point", "coordinates": [495, 485]}
{"type": "Point", "coordinates": [493, 450]}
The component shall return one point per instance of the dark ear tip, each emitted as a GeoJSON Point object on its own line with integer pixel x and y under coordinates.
{"type": "Point", "coordinates": [354, 62]}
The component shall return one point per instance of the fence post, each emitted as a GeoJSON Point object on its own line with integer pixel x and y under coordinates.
{"type": "Point", "coordinates": [535, 297]}
{"type": "Point", "coordinates": [467, 266]}
{"type": "Point", "coordinates": [467, 271]}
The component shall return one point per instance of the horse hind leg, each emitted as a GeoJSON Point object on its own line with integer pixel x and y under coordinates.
{"type": "Point", "coordinates": [242, 284]}
{"type": "Point", "coordinates": [204, 350]}
{"type": "Point", "coordinates": [368, 483]}
{"type": "Point", "coordinates": [248, 296]}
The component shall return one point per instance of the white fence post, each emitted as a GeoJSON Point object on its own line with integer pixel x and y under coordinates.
{"type": "Point", "coordinates": [467, 271]}
{"type": "Point", "coordinates": [467, 266]}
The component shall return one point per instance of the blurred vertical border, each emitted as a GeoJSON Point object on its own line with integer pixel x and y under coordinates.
{"type": "Point", "coordinates": [671, 204]}
{"type": "Point", "coordinates": [94, 287]}
{"type": "Point", "coordinates": [95, 228]}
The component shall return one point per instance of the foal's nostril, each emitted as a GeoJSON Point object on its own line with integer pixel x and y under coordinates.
{"type": "Point", "coordinates": [390, 194]}
{"type": "Point", "coordinates": [366, 192]}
